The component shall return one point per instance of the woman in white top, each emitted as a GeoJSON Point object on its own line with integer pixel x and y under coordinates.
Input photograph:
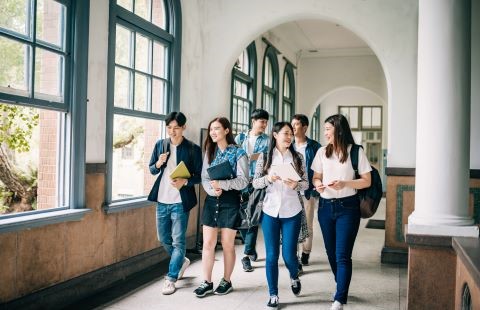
{"type": "Point", "coordinates": [282, 208]}
{"type": "Point", "coordinates": [339, 207]}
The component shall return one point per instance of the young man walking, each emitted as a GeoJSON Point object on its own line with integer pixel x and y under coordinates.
{"type": "Point", "coordinates": [254, 143]}
{"type": "Point", "coordinates": [308, 148]}
{"type": "Point", "coordinates": [174, 197]}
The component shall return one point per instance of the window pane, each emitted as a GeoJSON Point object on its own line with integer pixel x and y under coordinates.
{"type": "Point", "coordinates": [376, 117]}
{"type": "Point", "coordinates": [123, 41]}
{"type": "Point", "coordinates": [122, 88]}
{"type": "Point", "coordinates": [29, 143]}
{"type": "Point", "coordinates": [14, 15]}
{"type": "Point", "coordinates": [127, 4]}
{"type": "Point", "coordinates": [142, 9]}
{"type": "Point", "coordinates": [48, 75]}
{"type": "Point", "coordinates": [353, 121]}
{"type": "Point", "coordinates": [14, 76]}
{"type": "Point", "coordinates": [142, 53]}
{"type": "Point", "coordinates": [367, 117]}
{"type": "Point", "coordinates": [237, 88]}
{"type": "Point", "coordinates": [286, 86]}
{"type": "Point", "coordinates": [159, 59]}
{"type": "Point", "coordinates": [267, 72]}
{"type": "Point", "coordinates": [158, 97]}
{"type": "Point", "coordinates": [158, 13]}
{"type": "Point", "coordinates": [50, 22]}
{"type": "Point", "coordinates": [130, 174]}
{"type": "Point", "coordinates": [141, 92]}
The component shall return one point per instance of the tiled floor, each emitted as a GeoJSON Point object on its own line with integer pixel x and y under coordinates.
{"type": "Point", "coordinates": [373, 286]}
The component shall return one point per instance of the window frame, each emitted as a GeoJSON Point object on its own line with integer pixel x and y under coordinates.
{"type": "Point", "coordinates": [73, 142]}
{"type": "Point", "coordinates": [271, 54]}
{"type": "Point", "coordinates": [249, 79]}
{"type": "Point", "coordinates": [171, 37]}
{"type": "Point", "coordinates": [289, 73]}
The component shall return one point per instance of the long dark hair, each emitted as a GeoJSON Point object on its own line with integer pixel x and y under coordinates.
{"type": "Point", "coordinates": [342, 137]}
{"type": "Point", "coordinates": [297, 161]}
{"type": "Point", "coordinates": [209, 146]}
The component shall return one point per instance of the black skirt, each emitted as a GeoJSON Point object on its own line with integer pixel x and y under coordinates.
{"type": "Point", "coordinates": [222, 212]}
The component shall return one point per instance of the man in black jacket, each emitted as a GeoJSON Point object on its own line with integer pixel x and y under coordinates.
{"type": "Point", "coordinates": [174, 197]}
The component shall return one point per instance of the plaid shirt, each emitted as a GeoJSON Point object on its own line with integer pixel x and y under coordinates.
{"type": "Point", "coordinates": [261, 146]}
{"type": "Point", "coordinates": [231, 153]}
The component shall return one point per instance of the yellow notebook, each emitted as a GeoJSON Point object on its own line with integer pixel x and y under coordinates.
{"type": "Point", "coordinates": [180, 171]}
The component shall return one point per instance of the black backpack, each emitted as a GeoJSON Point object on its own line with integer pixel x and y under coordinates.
{"type": "Point", "coordinates": [369, 197]}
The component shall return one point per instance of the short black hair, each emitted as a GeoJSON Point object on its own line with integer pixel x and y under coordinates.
{"type": "Point", "coordinates": [259, 114]}
{"type": "Point", "coordinates": [302, 118]}
{"type": "Point", "coordinates": [176, 116]}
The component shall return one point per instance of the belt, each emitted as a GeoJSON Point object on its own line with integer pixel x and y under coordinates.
{"type": "Point", "coordinates": [343, 199]}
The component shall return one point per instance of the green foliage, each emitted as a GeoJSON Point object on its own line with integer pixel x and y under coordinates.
{"type": "Point", "coordinates": [127, 134]}
{"type": "Point", "coordinates": [13, 17]}
{"type": "Point", "coordinates": [6, 197]}
{"type": "Point", "coordinates": [16, 126]}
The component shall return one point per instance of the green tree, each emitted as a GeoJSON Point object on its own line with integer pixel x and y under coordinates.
{"type": "Point", "coordinates": [18, 188]}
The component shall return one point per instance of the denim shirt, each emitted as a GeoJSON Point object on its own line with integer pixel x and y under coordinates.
{"type": "Point", "coordinates": [261, 146]}
{"type": "Point", "coordinates": [194, 166]}
{"type": "Point", "coordinates": [310, 152]}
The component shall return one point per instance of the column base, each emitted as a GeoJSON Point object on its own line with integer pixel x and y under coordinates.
{"type": "Point", "coordinates": [441, 230]}
{"type": "Point", "coordinates": [394, 256]}
{"type": "Point", "coordinates": [431, 272]}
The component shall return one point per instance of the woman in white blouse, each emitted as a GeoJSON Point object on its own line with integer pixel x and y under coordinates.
{"type": "Point", "coordinates": [339, 207]}
{"type": "Point", "coordinates": [282, 208]}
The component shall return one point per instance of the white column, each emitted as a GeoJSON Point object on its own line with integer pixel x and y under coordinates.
{"type": "Point", "coordinates": [443, 120]}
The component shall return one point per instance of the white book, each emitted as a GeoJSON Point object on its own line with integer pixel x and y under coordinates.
{"type": "Point", "coordinates": [285, 171]}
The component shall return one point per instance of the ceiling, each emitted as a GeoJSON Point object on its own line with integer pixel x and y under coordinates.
{"type": "Point", "coordinates": [308, 37]}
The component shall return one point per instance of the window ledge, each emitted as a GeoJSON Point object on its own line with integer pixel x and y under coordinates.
{"type": "Point", "coordinates": [37, 220]}
{"type": "Point", "coordinates": [116, 207]}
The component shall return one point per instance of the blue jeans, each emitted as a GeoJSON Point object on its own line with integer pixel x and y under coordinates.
{"type": "Point", "coordinates": [172, 223]}
{"type": "Point", "coordinates": [339, 220]}
{"type": "Point", "coordinates": [290, 229]}
{"type": "Point", "coordinates": [250, 238]}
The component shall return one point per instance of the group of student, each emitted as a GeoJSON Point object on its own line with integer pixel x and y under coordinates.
{"type": "Point", "coordinates": [326, 179]}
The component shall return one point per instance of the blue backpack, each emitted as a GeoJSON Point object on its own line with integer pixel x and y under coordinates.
{"type": "Point", "coordinates": [369, 197]}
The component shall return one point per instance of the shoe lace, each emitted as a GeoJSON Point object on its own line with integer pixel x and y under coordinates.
{"type": "Point", "coordinates": [223, 283]}
{"type": "Point", "coordinates": [204, 284]}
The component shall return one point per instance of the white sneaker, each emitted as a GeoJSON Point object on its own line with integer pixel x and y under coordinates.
{"type": "Point", "coordinates": [186, 263]}
{"type": "Point", "coordinates": [336, 305]}
{"type": "Point", "coordinates": [168, 287]}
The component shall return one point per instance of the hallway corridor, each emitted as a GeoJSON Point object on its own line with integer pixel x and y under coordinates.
{"type": "Point", "coordinates": [374, 286]}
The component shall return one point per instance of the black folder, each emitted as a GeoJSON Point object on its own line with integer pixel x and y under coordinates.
{"type": "Point", "coordinates": [222, 171]}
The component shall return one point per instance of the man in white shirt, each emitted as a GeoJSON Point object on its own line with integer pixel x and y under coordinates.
{"type": "Point", "coordinates": [174, 197]}
{"type": "Point", "coordinates": [308, 148]}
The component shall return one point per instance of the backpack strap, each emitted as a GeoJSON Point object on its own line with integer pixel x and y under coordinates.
{"type": "Point", "coordinates": [166, 147]}
{"type": "Point", "coordinates": [355, 150]}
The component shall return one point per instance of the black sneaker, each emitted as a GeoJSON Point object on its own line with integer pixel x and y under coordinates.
{"type": "Point", "coordinates": [273, 302]}
{"type": "Point", "coordinates": [300, 268]}
{"type": "Point", "coordinates": [204, 289]}
{"type": "Point", "coordinates": [247, 266]}
{"type": "Point", "coordinates": [304, 259]}
{"type": "Point", "coordinates": [223, 288]}
{"type": "Point", "coordinates": [296, 286]}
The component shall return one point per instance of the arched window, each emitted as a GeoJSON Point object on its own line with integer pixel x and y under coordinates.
{"type": "Point", "coordinates": [43, 78]}
{"type": "Point", "coordinates": [288, 92]}
{"type": "Point", "coordinates": [243, 89]}
{"type": "Point", "coordinates": [270, 85]}
{"type": "Point", "coordinates": [143, 86]}
{"type": "Point", "coordinates": [315, 125]}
